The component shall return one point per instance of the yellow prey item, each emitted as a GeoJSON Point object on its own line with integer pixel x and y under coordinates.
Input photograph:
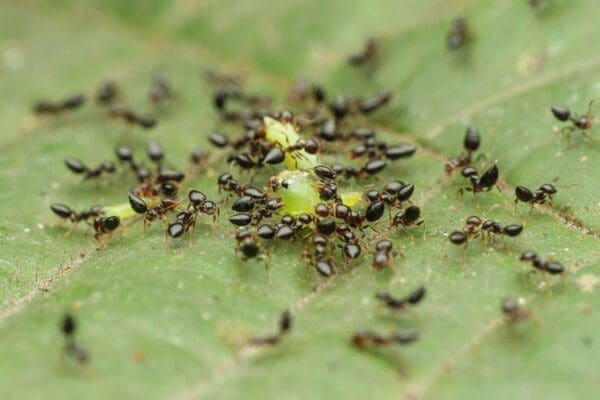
{"type": "Point", "coordinates": [285, 135]}
{"type": "Point", "coordinates": [299, 192]}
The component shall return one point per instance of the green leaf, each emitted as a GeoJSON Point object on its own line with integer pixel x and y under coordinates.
{"type": "Point", "coordinates": [173, 321]}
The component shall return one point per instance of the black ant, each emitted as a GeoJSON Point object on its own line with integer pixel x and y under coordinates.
{"type": "Point", "coordinates": [156, 212]}
{"type": "Point", "coordinates": [368, 53]}
{"type": "Point", "coordinates": [66, 212]}
{"type": "Point", "coordinates": [396, 304]}
{"type": "Point", "coordinates": [471, 143]}
{"type": "Point", "coordinates": [107, 93]}
{"type": "Point", "coordinates": [155, 152]}
{"type": "Point", "coordinates": [494, 227]}
{"type": "Point", "coordinates": [285, 325]}
{"type": "Point", "coordinates": [218, 139]}
{"type": "Point", "coordinates": [580, 122]}
{"type": "Point", "coordinates": [458, 35]}
{"type": "Point", "coordinates": [105, 226]}
{"type": "Point", "coordinates": [471, 229]}
{"type": "Point", "coordinates": [68, 327]}
{"type": "Point", "coordinates": [319, 246]}
{"type": "Point", "coordinates": [384, 253]}
{"type": "Point", "coordinates": [184, 221]}
{"type": "Point", "coordinates": [129, 116]}
{"type": "Point", "coordinates": [408, 217]}
{"type": "Point", "coordinates": [324, 268]}
{"type": "Point", "coordinates": [371, 104]}
{"type": "Point", "coordinates": [367, 338]}
{"type": "Point", "coordinates": [552, 267]}
{"type": "Point", "coordinates": [474, 227]}
{"type": "Point", "coordinates": [199, 204]}
{"type": "Point", "coordinates": [161, 90]}
{"type": "Point", "coordinates": [54, 108]}
{"type": "Point", "coordinates": [540, 196]}
{"type": "Point", "coordinates": [199, 157]}
{"type": "Point", "coordinates": [483, 183]}
{"type": "Point", "coordinates": [340, 106]}
{"type": "Point", "coordinates": [247, 244]}
{"type": "Point", "coordinates": [513, 310]}
{"type": "Point", "coordinates": [78, 167]}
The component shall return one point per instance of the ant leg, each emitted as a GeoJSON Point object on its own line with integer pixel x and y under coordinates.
{"type": "Point", "coordinates": [67, 233]}
{"type": "Point", "coordinates": [100, 240]}
{"type": "Point", "coordinates": [515, 203]}
{"type": "Point", "coordinates": [123, 233]}
{"type": "Point", "coordinates": [589, 110]}
{"type": "Point", "coordinates": [191, 230]}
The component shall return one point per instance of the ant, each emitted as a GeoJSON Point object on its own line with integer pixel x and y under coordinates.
{"type": "Point", "coordinates": [491, 226]}
{"type": "Point", "coordinates": [104, 226]}
{"type": "Point", "coordinates": [483, 183]}
{"type": "Point", "coordinates": [66, 212]}
{"type": "Point", "coordinates": [248, 246]}
{"type": "Point", "coordinates": [158, 211]}
{"type": "Point", "coordinates": [540, 196]}
{"type": "Point", "coordinates": [129, 116]}
{"type": "Point", "coordinates": [396, 304]}
{"type": "Point", "coordinates": [285, 325]}
{"type": "Point", "coordinates": [366, 338]}
{"type": "Point", "coordinates": [409, 217]}
{"type": "Point", "coordinates": [552, 267]}
{"type": "Point", "coordinates": [78, 167]}
{"type": "Point", "coordinates": [513, 309]}
{"type": "Point", "coordinates": [384, 253]}
{"type": "Point", "coordinates": [107, 93]}
{"type": "Point", "coordinates": [319, 245]}
{"type": "Point", "coordinates": [393, 194]}
{"type": "Point", "coordinates": [368, 53]}
{"type": "Point", "coordinates": [471, 143]}
{"type": "Point", "coordinates": [185, 220]}
{"type": "Point", "coordinates": [474, 227]}
{"type": "Point", "coordinates": [161, 90]}
{"type": "Point", "coordinates": [580, 122]}
{"type": "Point", "coordinates": [68, 327]}
{"type": "Point", "coordinates": [199, 204]}
{"type": "Point", "coordinates": [371, 104]}
{"type": "Point", "coordinates": [155, 152]}
{"type": "Point", "coordinates": [199, 157]}
{"type": "Point", "coordinates": [471, 225]}
{"type": "Point", "coordinates": [458, 35]}
{"type": "Point", "coordinates": [218, 139]}
{"type": "Point", "coordinates": [68, 104]}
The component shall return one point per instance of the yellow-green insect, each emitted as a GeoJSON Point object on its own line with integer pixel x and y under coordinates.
{"type": "Point", "coordinates": [298, 187]}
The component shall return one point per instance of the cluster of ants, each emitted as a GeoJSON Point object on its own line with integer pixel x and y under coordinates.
{"type": "Point", "coordinates": [155, 196]}
{"type": "Point", "coordinates": [361, 339]}
{"type": "Point", "coordinates": [368, 338]}
{"type": "Point", "coordinates": [106, 95]}
{"type": "Point", "coordinates": [334, 223]}
{"type": "Point", "coordinates": [337, 126]}
{"type": "Point", "coordinates": [259, 213]}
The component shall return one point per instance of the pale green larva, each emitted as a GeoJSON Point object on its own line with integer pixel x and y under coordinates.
{"type": "Point", "coordinates": [298, 187]}
{"type": "Point", "coordinates": [299, 192]}
{"type": "Point", "coordinates": [284, 135]}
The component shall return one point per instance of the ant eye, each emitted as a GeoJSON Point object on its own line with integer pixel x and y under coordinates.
{"type": "Point", "coordinates": [285, 185]}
